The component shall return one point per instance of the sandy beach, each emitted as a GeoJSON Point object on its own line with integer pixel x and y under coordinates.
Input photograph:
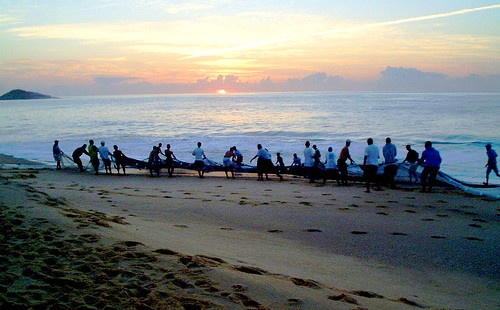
{"type": "Point", "coordinates": [76, 240]}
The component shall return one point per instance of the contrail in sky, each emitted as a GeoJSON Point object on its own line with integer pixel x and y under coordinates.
{"type": "Point", "coordinates": [372, 25]}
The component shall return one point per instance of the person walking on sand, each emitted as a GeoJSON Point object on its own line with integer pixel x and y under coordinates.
{"type": "Point", "coordinates": [169, 161]}
{"type": "Point", "coordinates": [57, 153]}
{"type": "Point", "coordinates": [331, 171]}
{"type": "Point", "coordinates": [199, 156]}
{"type": "Point", "coordinates": [77, 154]}
{"type": "Point", "coordinates": [308, 161]}
{"type": "Point", "coordinates": [104, 153]}
{"type": "Point", "coordinates": [370, 163]}
{"type": "Point", "coordinates": [93, 151]}
{"type": "Point", "coordinates": [390, 169]}
{"type": "Point", "coordinates": [228, 160]}
{"type": "Point", "coordinates": [154, 161]}
{"type": "Point", "coordinates": [263, 162]}
{"type": "Point", "coordinates": [412, 159]}
{"type": "Point", "coordinates": [431, 160]}
{"type": "Point", "coordinates": [342, 162]}
{"type": "Point", "coordinates": [119, 159]}
{"type": "Point", "coordinates": [492, 162]}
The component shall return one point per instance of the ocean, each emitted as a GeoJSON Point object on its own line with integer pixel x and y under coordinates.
{"type": "Point", "coordinates": [458, 124]}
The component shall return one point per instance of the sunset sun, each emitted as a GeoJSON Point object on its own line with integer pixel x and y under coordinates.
{"type": "Point", "coordinates": [221, 91]}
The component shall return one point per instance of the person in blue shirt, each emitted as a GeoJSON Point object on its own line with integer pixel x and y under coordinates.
{"type": "Point", "coordinates": [431, 160]}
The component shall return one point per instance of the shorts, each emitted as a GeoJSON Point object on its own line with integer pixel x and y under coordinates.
{"type": "Point", "coordinates": [227, 162]}
{"type": "Point", "coordinates": [107, 162]}
{"type": "Point", "coordinates": [331, 174]}
{"type": "Point", "coordinates": [199, 164]}
{"type": "Point", "coordinates": [57, 157]}
{"type": "Point", "coordinates": [492, 168]}
{"type": "Point", "coordinates": [370, 171]}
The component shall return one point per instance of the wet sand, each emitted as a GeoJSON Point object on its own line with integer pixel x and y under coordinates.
{"type": "Point", "coordinates": [79, 240]}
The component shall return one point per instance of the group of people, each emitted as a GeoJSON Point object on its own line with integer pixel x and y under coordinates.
{"type": "Point", "coordinates": [311, 167]}
{"type": "Point", "coordinates": [94, 153]}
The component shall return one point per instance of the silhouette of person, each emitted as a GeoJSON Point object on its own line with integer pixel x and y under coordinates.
{"type": "Point", "coordinates": [104, 153]}
{"type": "Point", "coordinates": [342, 162]}
{"type": "Point", "coordinates": [228, 160]}
{"type": "Point", "coordinates": [412, 158]}
{"type": "Point", "coordinates": [199, 156]}
{"type": "Point", "coordinates": [431, 160]}
{"type": "Point", "coordinates": [77, 154]}
{"type": "Point", "coordinates": [154, 161]}
{"type": "Point", "coordinates": [370, 163]}
{"type": "Point", "coordinates": [93, 151]}
{"type": "Point", "coordinates": [119, 159]}
{"type": "Point", "coordinates": [331, 171]}
{"type": "Point", "coordinates": [390, 169]}
{"type": "Point", "coordinates": [57, 153]}
{"type": "Point", "coordinates": [492, 162]}
{"type": "Point", "coordinates": [169, 161]}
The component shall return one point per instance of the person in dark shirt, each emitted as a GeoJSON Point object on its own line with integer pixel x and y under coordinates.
{"type": "Point", "coordinates": [77, 154]}
{"type": "Point", "coordinates": [119, 159]}
{"type": "Point", "coordinates": [412, 159]}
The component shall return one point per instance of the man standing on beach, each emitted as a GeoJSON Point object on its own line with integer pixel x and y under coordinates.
{"type": "Point", "coordinates": [390, 168]}
{"type": "Point", "coordinates": [342, 162]}
{"type": "Point", "coordinates": [93, 151]}
{"type": "Point", "coordinates": [77, 154]}
{"type": "Point", "coordinates": [199, 156]}
{"type": "Point", "coordinates": [492, 162]}
{"type": "Point", "coordinates": [412, 158]}
{"type": "Point", "coordinates": [104, 153]}
{"type": "Point", "coordinates": [370, 163]}
{"type": "Point", "coordinates": [308, 162]}
{"type": "Point", "coordinates": [331, 171]}
{"type": "Point", "coordinates": [57, 153]}
{"type": "Point", "coordinates": [431, 160]}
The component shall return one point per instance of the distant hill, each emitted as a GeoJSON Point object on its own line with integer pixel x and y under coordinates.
{"type": "Point", "coordinates": [19, 94]}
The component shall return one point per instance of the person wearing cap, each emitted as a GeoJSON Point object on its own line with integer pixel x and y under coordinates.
{"type": "Point", "coordinates": [492, 162]}
{"type": "Point", "coordinates": [104, 153]}
{"type": "Point", "coordinates": [57, 153]}
{"type": "Point", "coordinates": [342, 162]}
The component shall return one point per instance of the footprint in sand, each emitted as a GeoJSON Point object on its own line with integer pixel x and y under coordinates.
{"type": "Point", "coordinates": [427, 220]}
{"type": "Point", "coordinates": [480, 220]}
{"type": "Point", "coordinates": [275, 231]}
{"type": "Point", "coordinates": [226, 228]}
{"type": "Point", "coordinates": [398, 234]}
{"type": "Point", "coordinates": [410, 211]}
{"type": "Point", "coordinates": [180, 226]}
{"type": "Point", "coordinates": [382, 213]}
{"type": "Point", "coordinates": [344, 209]}
{"type": "Point", "coordinates": [442, 215]}
{"type": "Point", "coordinates": [356, 232]}
{"type": "Point", "coordinates": [343, 298]}
{"type": "Point", "coordinates": [438, 237]}
{"type": "Point", "coordinates": [312, 230]}
{"type": "Point", "coordinates": [474, 239]}
{"type": "Point", "coordinates": [475, 225]}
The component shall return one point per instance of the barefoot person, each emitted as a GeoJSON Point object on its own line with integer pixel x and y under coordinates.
{"type": "Point", "coordinates": [119, 159]}
{"type": "Point", "coordinates": [104, 153]}
{"type": "Point", "coordinates": [412, 158]}
{"type": "Point", "coordinates": [390, 168]}
{"type": "Point", "coordinates": [93, 151]}
{"type": "Point", "coordinates": [431, 160]}
{"type": "Point", "coordinates": [228, 161]}
{"type": "Point", "coordinates": [263, 162]}
{"type": "Point", "coordinates": [57, 153]}
{"type": "Point", "coordinates": [331, 171]}
{"type": "Point", "coordinates": [169, 161]}
{"type": "Point", "coordinates": [199, 156]}
{"type": "Point", "coordinates": [492, 163]}
{"type": "Point", "coordinates": [370, 163]}
{"type": "Point", "coordinates": [342, 162]}
{"type": "Point", "coordinates": [77, 154]}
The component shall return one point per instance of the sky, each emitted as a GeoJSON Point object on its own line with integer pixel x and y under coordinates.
{"type": "Point", "coordinates": [108, 47]}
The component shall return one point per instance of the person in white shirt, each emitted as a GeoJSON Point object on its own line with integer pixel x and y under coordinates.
{"type": "Point", "coordinates": [264, 162]}
{"type": "Point", "coordinates": [104, 153]}
{"type": "Point", "coordinates": [390, 168]}
{"type": "Point", "coordinates": [199, 156]}
{"type": "Point", "coordinates": [331, 171]}
{"type": "Point", "coordinates": [308, 162]}
{"type": "Point", "coordinates": [370, 163]}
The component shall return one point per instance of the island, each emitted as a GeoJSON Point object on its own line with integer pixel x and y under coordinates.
{"type": "Point", "coordinates": [19, 94]}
